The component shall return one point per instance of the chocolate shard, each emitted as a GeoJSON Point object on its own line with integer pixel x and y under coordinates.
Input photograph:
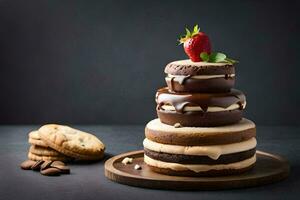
{"type": "Point", "coordinates": [51, 172]}
{"type": "Point", "coordinates": [61, 166]}
{"type": "Point", "coordinates": [27, 164]}
{"type": "Point", "coordinates": [37, 165]}
{"type": "Point", "coordinates": [46, 165]}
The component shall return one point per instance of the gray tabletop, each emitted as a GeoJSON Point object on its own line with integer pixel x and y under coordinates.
{"type": "Point", "coordinates": [87, 181]}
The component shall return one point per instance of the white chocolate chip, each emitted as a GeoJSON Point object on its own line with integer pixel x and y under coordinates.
{"type": "Point", "coordinates": [137, 167]}
{"type": "Point", "coordinates": [177, 125]}
{"type": "Point", "coordinates": [127, 160]}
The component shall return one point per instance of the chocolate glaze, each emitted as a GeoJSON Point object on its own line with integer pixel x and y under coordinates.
{"type": "Point", "coordinates": [203, 100]}
{"type": "Point", "coordinates": [200, 119]}
{"type": "Point", "coordinates": [182, 79]}
{"type": "Point", "coordinates": [193, 159]}
{"type": "Point", "coordinates": [188, 84]}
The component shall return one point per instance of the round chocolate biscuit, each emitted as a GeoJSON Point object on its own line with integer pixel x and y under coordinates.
{"type": "Point", "coordinates": [188, 67]}
{"type": "Point", "coordinates": [200, 109]}
{"type": "Point", "coordinates": [188, 76]}
{"type": "Point", "coordinates": [194, 159]}
{"type": "Point", "coordinates": [197, 136]}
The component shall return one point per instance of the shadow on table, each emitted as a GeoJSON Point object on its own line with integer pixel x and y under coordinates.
{"type": "Point", "coordinates": [91, 162]}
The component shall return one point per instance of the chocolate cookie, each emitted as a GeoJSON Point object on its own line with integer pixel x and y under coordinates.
{"type": "Point", "coordinates": [188, 76]}
{"type": "Point", "coordinates": [197, 136]}
{"type": "Point", "coordinates": [200, 109]}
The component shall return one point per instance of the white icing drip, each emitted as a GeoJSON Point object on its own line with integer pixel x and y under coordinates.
{"type": "Point", "coordinates": [200, 76]}
{"type": "Point", "coordinates": [212, 151]}
{"type": "Point", "coordinates": [242, 125]}
{"type": "Point", "coordinates": [199, 168]}
{"type": "Point", "coordinates": [209, 109]}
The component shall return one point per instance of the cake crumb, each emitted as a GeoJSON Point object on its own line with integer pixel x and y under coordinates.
{"type": "Point", "coordinates": [177, 125]}
{"type": "Point", "coordinates": [137, 167]}
{"type": "Point", "coordinates": [127, 160]}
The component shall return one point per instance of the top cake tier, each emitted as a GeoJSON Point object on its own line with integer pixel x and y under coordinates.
{"type": "Point", "coordinates": [188, 76]}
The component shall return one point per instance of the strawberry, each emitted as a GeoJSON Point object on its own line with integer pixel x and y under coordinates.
{"type": "Point", "coordinates": [194, 43]}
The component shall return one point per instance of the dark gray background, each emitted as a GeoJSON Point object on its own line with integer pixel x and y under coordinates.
{"type": "Point", "coordinates": [101, 62]}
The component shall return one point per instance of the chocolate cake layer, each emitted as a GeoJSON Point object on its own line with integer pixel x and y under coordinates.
{"type": "Point", "coordinates": [192, 159]}
{"type": "Point", "coordinates": [200, 109]}
{"type": "Point", "coordinates": [210, 173]}
{"type": "Point", "coordinates": [200, 119]}
{"type": "Point", "coordinates": [194, 84]}
{"type": "Point", "coordinates": [187, 67]}
{"type": "Point", "coordinates": [197, 136]}
{"type": "Point", "coordinates": [199, 169]}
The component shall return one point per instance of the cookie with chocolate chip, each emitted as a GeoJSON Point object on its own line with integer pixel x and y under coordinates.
{"type": "Point", "coordinates": [72, 142]}
{"type": "Point", "coordinates": [43, 151]}
{"type": "Point", "coordinates": [61, 157]}
{"type": "Point", "coordinates": [35, 139]}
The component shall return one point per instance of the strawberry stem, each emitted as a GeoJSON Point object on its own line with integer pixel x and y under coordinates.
{"type": "Point", "coordinates": [189, 34]}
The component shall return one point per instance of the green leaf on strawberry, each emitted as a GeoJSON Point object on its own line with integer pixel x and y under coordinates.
{"type": "Point", "coordinates": [189, 34]}
{"type": "Point", "coordinates": [204, 57]}
{"type": "Point", "coordinates": [216, 57]}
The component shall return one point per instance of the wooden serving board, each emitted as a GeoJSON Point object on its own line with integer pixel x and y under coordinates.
{"type": "Point", "coordinates": [269, 168]}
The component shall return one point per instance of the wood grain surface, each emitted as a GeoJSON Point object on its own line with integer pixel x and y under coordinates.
{"type": "Point", "coordinates": [269, 168]}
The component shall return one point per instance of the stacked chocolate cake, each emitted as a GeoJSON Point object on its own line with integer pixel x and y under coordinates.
{"type": "Point", "coordinates": [200, 130]}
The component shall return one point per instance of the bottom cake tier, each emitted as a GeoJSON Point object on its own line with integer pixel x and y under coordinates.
{"type": "Point", "coordinates": [177, 169]}
{"type": "Point", "coordinates": [208, 155]}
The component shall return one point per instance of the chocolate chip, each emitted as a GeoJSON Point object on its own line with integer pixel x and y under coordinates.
{"type": "Point", "coordinates": [37, 165]}
{"type": "Point", "coordinates": [51, 172]}
{"type": "Point", "coordinates": [27, 164]}
{"type": "Point", "coordinates": [177, 125]}
{"type": "Point", "coordinates": [137, 167]}
{"type": "Point", "coordinates": [46, 165]}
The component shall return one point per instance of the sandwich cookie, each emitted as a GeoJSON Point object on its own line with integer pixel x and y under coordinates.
{"type": "Point", "coordinates": [200, 109]}
{"type": "Point", "coordinates": [209, 160]}
{"type": "Point", "coordinates": [198, 136]}
{"type": "Point", "coordinates": [212, 151]}
{"type": "Point", "coordinates": [188, 76]}
{"type": "Point", "coordinates": [177, 169]}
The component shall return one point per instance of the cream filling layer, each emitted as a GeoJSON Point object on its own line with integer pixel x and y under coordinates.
{"type": "Point", "coordinates": [243, 125]}
{"type": "Point", "coordinates": [212, 151]}
{"type": "Point", "coordinates": [199, 168]}
{"type": "Point", "coordinates": [209, 109]}
{"type": "Point", "coordinates": [169, 76]}
{"type": "Point", "coordinates": [187, 62]}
